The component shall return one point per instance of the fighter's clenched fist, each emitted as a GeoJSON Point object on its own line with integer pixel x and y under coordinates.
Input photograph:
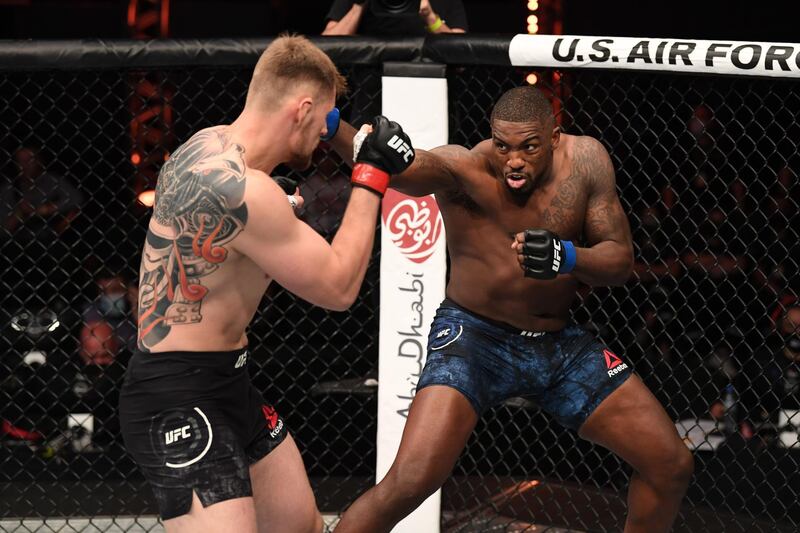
{"type": "Point", "coordinates": [384, 151]}
{"type": "Point", "coordinates": [543, 255]}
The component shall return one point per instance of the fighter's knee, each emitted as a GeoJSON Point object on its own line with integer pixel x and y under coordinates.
{"type": "Point", "coordinates": [673, 471]}
{"type": "Point", "coordinates": [683, 465]}
{"type": "Point", "coordinates": [318, 524]}
{"type": "Point", "coordinates": [309, 523]}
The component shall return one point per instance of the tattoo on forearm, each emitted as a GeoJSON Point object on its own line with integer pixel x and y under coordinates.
{"type": "Point", "coordinates": [200, 196]}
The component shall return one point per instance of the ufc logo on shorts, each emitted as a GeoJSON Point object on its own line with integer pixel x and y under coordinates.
{"type": "Point", "coordinates": [444, 333]}
{"type": "Point", "coordinates": [556, 254]}
{"type": "Point", "coordinates": [241, 361]}
{"type": "Point", "coordinates": [399, 146]}
{"type": "Point", "coordinates": [177, 434]}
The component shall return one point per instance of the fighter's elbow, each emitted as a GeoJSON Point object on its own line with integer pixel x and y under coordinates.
{"type": "Point", "coordinates": [343, 302]}
{"type": "Point", "coordinates": [624, 271]}
{"type": "Point", "coordinates": [341, 297]}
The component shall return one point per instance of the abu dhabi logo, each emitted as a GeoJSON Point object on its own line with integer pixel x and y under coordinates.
{"type": "Point", "coordinates": [414, 224]}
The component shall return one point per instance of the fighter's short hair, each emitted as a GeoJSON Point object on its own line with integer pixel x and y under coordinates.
{"type": "Point", "coordinates": [523, 104]}
{"type": "Point", "coordinates": [288, 62]}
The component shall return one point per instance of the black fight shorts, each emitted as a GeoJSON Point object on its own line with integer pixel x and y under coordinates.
{"type": "Point", "coordinates": [192, 421]}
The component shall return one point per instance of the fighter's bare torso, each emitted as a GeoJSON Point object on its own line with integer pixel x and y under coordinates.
{"type": "Point", "coordinates": [191, 276]}
{"type": "Point", "coordinates": [481, 217]}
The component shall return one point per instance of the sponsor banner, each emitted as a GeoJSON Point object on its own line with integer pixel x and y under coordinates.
{"type": "Point", "coordinates": [412, 270]}
{"type": "Point", "coordinates": [743, 58]}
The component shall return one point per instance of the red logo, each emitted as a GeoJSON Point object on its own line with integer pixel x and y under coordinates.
{"type": "Point", "coordinates": [611, 359]}
{"type": "Point", "coordinates": [414, 224]}
{"type": "Point", "coordinates": [270, 415]}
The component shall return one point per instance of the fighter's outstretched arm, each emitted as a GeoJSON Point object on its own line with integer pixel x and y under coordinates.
{"type": "Point", "coordinates": [433, 170]}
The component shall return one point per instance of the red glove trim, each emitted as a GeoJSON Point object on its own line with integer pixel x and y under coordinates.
{"type": "Point", "coordinates": [371, 178]}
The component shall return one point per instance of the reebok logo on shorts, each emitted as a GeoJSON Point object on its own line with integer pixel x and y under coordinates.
{"type": "Point", "coordinates": [274, 422]}
{"type": "Point", "coordinates": [241, 361]}
{"type": "Point", "coordinates": [613, 363]}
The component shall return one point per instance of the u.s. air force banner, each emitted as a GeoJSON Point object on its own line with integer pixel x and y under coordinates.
{"type": "Point", "coordinates": [412, 277]}
{"type": "Point", "coordinates": [678, 55]}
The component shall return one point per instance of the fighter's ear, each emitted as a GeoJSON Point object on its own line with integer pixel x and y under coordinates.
{"type": "Point", "coordinates": [556, 136]}
{"type": "Point", "coordinates": [303, 108]}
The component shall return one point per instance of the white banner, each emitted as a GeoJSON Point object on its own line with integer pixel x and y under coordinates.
{"type": "Point", "coordinates": [678, 55]}
{"type": "Point", "coordinates": [413, 267]}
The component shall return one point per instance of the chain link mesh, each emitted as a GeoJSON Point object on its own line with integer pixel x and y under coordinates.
{"type": "Point", "coordinates": [707, 172]}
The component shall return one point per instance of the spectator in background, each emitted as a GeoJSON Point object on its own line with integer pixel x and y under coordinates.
{"type": "Point", "coordinates": [115, 307]}
{"type": "Point", "coordinates": [99, 343]}
{"type": "Point", "coordinates": [98, 376]}
{"type": "Point", "coordinates": [39, 204]}
{"type": "Point", "coordinates": [656, 256]}
{"type": "Point", "coordinates": [360, 17]}
{"type": "Point", "coordinates": [773, 375]}
{"type": "Point", "coordinates": [780, 205]}
{"type": "Point", "coordinates": [107, 338]}
{"type": "Point", "coordinates": [363, 17]}
{"type": "Point", "coordinates": [37, 207]}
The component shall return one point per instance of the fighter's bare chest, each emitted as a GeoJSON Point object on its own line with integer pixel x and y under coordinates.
{"type": "Point", "coordinates": [559, 208]}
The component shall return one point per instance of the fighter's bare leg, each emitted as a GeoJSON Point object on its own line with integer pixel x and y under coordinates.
{"type": "Point", "coordinates": [284, 502]}
{"type": "Point", "coordinates": [633, 424]}
{"type": "Point", "coordinates": [229, 516]}
{"type": "Point", "coordinates": [439, 423]}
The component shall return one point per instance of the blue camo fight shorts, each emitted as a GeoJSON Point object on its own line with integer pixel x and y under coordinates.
{"type": "Point", "coordinates": [568, 373]}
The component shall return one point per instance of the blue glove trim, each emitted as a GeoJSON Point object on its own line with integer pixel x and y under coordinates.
{"type": "Point", "coordinates": [570, 256]}
{"type": "Point", "coordinates": [332, 123]}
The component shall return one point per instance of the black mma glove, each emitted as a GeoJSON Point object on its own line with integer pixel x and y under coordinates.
{"type": "Point", "coordinates": [386, 150]}
{"type": "Point", "coordinates": [544, 255]}
{"type": "Point", "coordinates": [287, 184]}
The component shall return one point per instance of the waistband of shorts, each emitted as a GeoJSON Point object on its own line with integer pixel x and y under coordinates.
{"type": "Point", "coordinates": [447, 302]}
{"type": "Point", "coordinates": [226, 359]}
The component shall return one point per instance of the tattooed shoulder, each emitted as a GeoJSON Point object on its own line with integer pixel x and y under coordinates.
{"type": "Point", "coordinates": [591, 161]}
{"type": "Point", "coordinates": [200, 198]}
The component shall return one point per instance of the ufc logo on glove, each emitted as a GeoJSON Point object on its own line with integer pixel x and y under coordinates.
{"type": "Point", "coordinates": [400, 146]}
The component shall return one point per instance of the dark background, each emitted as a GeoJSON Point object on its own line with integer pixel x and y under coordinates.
{"type": "Point", "coordinates": [710, 19]}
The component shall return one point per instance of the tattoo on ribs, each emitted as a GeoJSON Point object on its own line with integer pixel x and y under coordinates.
{"type": "Point", "coordinates": [200, 196]}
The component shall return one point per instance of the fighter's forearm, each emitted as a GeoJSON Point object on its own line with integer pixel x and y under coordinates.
{"type": "Point", "coordinates": [342, 142]}
{"type": "Point", "coordinates": [606, 264]}
{"type": "Point", "coordinates": [353, 243]}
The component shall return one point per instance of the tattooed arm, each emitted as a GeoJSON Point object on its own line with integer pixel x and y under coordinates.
{"type": "Point", "coordinates": [608, 260]}
{"type": "Point", "coordinates": [432, 171]}
{"type": "Point", "coordinates": [297, 257]}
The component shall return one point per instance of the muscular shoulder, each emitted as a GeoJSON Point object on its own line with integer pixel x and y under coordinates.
{"type": "Point", "coordinates": [206, 174]}
{"type": "Point", "coordinates": [465, 161]}
{"type": "Point", "coordinates": [589, 160]}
